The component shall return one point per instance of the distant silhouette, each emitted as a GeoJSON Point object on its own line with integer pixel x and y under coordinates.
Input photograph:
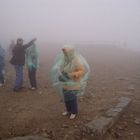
{"type": "Point", "coordinates": [2, 64]}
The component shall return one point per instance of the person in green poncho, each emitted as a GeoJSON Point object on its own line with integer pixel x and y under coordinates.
{"type": "Point", "coordinates": [68, 77]}
{"type": "Point", "coordinates": [32, 64]}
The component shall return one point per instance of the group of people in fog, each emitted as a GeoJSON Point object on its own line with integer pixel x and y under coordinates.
{"type": "Point", "coordinates": [19, 55]}
{"type": "Point", "coordinates": [19, 52]}
{"type": "Point", "coordinates": [69, 74]}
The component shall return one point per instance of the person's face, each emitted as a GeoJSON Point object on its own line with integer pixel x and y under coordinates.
{"type": "Point", "coordinates": [64, 51]}
{"type": "Point", "coordinates": [20, 42]}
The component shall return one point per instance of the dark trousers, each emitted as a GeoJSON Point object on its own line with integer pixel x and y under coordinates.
{"type": "Point", "coordinates": [1, 74]}
{"type": "Point", "coordinates": [32, 77]}
{"type": "Point", "coordinates": [70, 100]}
{"type": "Point", "coordinates": [19, 77]}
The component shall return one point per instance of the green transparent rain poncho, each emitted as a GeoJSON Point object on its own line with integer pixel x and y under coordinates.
{"type": "Point", "coordinates": [55, 73]}
{"type": "Point", "coordinates": [32, 57]}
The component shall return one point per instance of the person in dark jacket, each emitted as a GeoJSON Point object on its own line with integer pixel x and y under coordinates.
{"type": "Point", "coordinates": [18, 60]}
{"type": "Point", "coordinates": [2, 63]}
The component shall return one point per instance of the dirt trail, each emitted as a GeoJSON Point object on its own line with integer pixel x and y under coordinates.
{"type": "Point", "coordinates": [114, 73]}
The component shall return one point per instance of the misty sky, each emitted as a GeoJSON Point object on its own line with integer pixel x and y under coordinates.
{"type": "Point", "coordinates": [71, 20]}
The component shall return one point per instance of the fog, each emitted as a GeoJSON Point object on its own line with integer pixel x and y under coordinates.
{"type": "Point", "coordinates": [80, 21]}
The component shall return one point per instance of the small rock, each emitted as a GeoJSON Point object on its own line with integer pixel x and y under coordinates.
{"type": "Point", "coordinates": [44, 130]}
{"type": "Point", "coordinates": [92, 135]}
{"type": "Point", "coordinates": [93, 95]}
{"type": "Point", "coordinates": [81, 99]}
{"type": "Point", "coordinates": [132, 115]}
{"type": "Point", "coordinates": [87, 119]}
{"type": "Point", "coordinates": [40, 92]}
{"type": "Point", "coordinates": [127, 93]}
{"type": "Point", "coordinates": [66, 137]}
{"type": "Point", "coordinates": [65, 126]}
{"type": "Point", "coordinates": [137, 121]}
{"type": "Point", "coordinates": [103, 82]}
{"type": "Point", "coordinates": [70, 132]}
{"type": "Point", "coordinates": [125, 123]}
{"type": "Point", "coordinates": [121, 78]}
{"type": "Point", "coordinates": [117, 135]}
{"type": "Point", "coordinates": [124, 116]}
{"type": "Point", "coordinates": [88, 96]}
{"type": "Point", "coordinates": [120, 128]}
{"type": "Point", "coordinates": [125, 78]}
{"type": "Point", "coordinates": [77, 137]}
{"type": "Point", "coordinates": [9, 109]}
{"type": "Point", "coordinates": [84, 129]}
{"type": "Point", "coordinates": [132, 133]}
{"type": "Point", "coordinates": [11, 133]}
{"type": "Point", "coordinates": [103, 89]}
{"type": "Point", "coordinates": [36, 131]}
{"type": "Point", "coordinates": [75, 126]}
{"type": "Point", "coordinates": [136, 138]}
{"type": "Point", "coordinates": [83, 134]}
{"type": "Point", "coordinates": [45, 135]}
{"type": "Point", "coordinates": [51, 133]}
{"type": "Point", "coordinates": [130, 88]}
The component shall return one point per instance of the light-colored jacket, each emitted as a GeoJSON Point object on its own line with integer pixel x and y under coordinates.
{"type": "Point", "coordinates": [73, 67]}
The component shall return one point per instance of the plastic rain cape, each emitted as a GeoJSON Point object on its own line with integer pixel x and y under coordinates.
{"type": "Point", "coordinates": [32, 57]}
{"type": "Point", "coordinates": [55, 73]}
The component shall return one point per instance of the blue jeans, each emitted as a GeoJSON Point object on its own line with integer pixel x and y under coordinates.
{"type": "Point", "coordinates": [19, 77]}
{"type": "Point", "coordinates": [1, 74]}
{"type": "Point", "coordinates": [70, 100]}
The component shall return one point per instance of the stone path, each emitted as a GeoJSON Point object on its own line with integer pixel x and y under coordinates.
{"type": "Point", "coordinates": [99, 126]}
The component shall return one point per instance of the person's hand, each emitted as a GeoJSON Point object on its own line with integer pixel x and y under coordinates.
{"type": "Point", "coordinates": [71, 75]}
{"type": "Point", "coordinates": [58, 70]}
{"type": "Point", "coordinates": [34, 39]}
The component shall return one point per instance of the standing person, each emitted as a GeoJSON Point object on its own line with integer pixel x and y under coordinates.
{"type": "Point", "coordinates": [18, 60]}
{"type": "Point", "coordinates": [2, 63]}
{"type": "Point", "coordinates": [32, 65]}
{"type": "Point", "coordinates": [67, 74]}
